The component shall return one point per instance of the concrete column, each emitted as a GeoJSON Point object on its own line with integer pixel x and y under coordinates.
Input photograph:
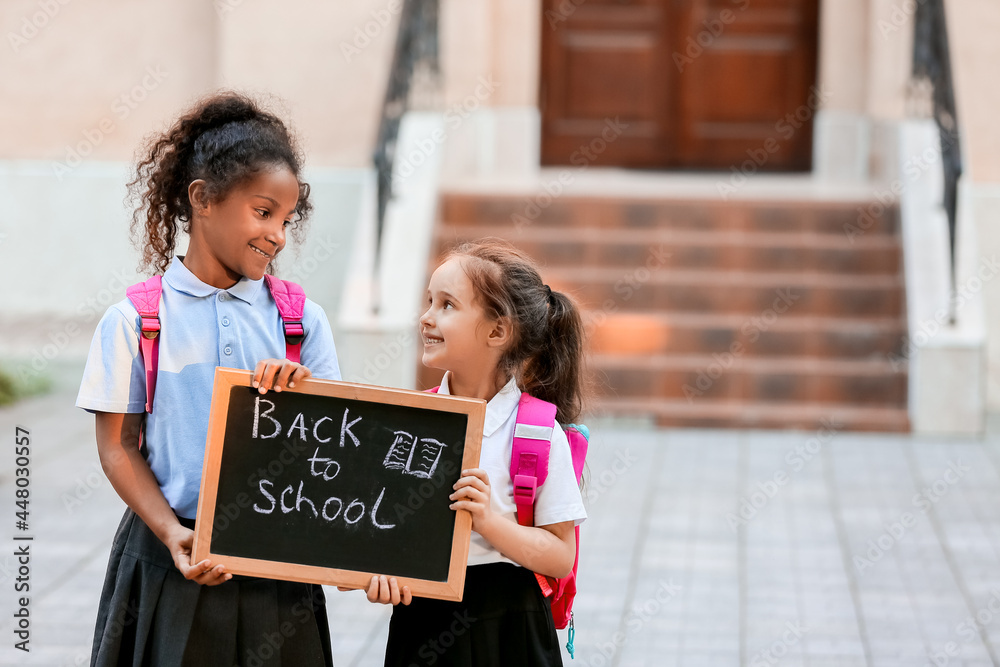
{"type": "Point", "coordinates": [973, 27]}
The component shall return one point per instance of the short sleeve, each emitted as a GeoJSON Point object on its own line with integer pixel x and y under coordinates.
{"type": "Point", "coordinates": [319, 354]}
{"type": "Point", "coordinates": [114, 378]}
{"type": "Point", "coordinates": [559, 498]}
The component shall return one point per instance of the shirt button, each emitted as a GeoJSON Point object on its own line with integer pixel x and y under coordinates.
{"type": "Point", "coordinates": [222, 296]}
{"type": "Point", "coordinates": [228, 350]}
{"type": "Point", "coordinates": [225, 321]}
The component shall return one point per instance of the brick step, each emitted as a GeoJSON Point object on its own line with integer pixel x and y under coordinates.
{"type": "Point", "coordinates": [822, 418]}
{"type": "Point", "coordinates": [848, 220]}
{"type": "Point", "coordinates": [699, 378]}
{"type": "Point", "coordinates": [690, 249]}
{"type": "Point", "coordinates": [708, 333]}
{"type": "Point", "coordinates": [751, 293]}
{"type": "Point", "coordinates": [759, 313]}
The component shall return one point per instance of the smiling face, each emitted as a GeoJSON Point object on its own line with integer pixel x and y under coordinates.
{"type": "Point", "coordinates": [240, 234]}
{"type": "Point", "coordinates": [457, 335]}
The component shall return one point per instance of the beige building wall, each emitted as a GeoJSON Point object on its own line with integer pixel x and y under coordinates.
{"type": "Point", "coordinates": [329, 61]}
{"type": "Point", "coordinates": [865, 57]}
{"type": "Point", "coordinates": [91, 79]}
{"type": "Point", "coordinates": [498, 38]}
{"type": "Point", "coordinates": [85, 82]}
{"type": "Point", "coordinates": [974, 26]}
{"type": "Point", "coordinates": [975, 47]}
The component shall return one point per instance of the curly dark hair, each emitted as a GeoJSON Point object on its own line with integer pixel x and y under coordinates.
{"type": "Point", "coordinates": [225, 139]}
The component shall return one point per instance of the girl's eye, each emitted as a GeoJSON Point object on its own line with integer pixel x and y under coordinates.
{"type": "Point", "coordinates": [264, 213]}
{"type": "Point", "coordinates": [448, 304]}
{"type": "Point", "coordinates": [286, 223]}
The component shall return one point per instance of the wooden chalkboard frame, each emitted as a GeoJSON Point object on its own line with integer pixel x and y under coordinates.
{"type": "Point", "coordinates": [226, 378]}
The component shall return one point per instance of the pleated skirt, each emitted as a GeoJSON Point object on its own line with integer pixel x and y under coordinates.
{"type": "Point", "coordinates": [503, 620]}
{"type": "Point", "coordinates": [150, 616]}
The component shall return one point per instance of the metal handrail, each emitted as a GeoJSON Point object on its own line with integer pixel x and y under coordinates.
{"type": "Point", "coordinates": [416, 47]}
{"type": "Point", "coordinates": [932, 62]}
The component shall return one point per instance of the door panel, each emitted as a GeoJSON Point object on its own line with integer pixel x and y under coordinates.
{"type": "Point", "coordinates": [692, 83]}
{"type": "Point", "coordinates": [737, 93]}
{"type": "Point", "coordinates": [597, 101]}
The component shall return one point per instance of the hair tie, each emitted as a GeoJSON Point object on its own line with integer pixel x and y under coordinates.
{"type": "Point", "coordinates": [548, 293]}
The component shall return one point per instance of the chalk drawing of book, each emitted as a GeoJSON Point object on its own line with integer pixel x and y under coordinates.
{"type": "Point", "coordinates": [417, 457]}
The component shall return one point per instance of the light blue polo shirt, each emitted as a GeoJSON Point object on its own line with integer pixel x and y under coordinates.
{"type": "Point", "coordinates": [201, 327]}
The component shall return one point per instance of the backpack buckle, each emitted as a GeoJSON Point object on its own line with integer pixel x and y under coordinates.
{"type": "Point", "coordinates": [524, 489]}
{"type": "Point", "coordinates": [150, 326]}
{"type": "Point", "coordinates": [294, 332]}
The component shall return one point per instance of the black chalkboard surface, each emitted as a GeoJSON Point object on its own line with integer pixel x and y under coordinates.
{"type": "Point", "coordinates": [332, 482]}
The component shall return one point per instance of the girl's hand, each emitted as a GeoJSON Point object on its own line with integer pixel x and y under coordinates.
{"type": "Point", "coordinates": [385, 590]}
{"type": "Point", "coordinates": [277, 374]}
{"type": "Point", "coordinates": [179, 542]}
{"type": "Point", "coordinates": [472, 493]}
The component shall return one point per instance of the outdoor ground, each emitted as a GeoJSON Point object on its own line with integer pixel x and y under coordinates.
{"type": "Point", "coordinates": [702, 548]}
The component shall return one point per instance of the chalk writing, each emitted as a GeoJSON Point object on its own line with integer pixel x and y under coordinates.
{"type": "Point", "coordinates": [266, 486]}
{"type": "Point", "coordinates": [406, 446]}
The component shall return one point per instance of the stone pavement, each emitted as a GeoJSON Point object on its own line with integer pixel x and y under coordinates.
{"type": "Point", "coordinates": [703, 548]}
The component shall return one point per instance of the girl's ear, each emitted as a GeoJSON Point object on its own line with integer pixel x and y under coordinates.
{"type": "Point", "coordinates": [198, 196]}
{"type": "Point", "coordinates": [499, 335]}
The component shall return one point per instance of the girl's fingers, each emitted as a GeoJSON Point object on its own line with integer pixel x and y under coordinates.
{"type": "Point", "coordinates": [189, 571]}
{"type": "Point", "coordinates": [477, 474]}
{"type": "Point", "coordinates": [258, 373]}
{"type": "Point", "coordinates": [299, 373]}
{"type": "Point", "coordinates": [373, 590]}
{"type": "Point", "coordinates": [270, 368]}
{"type": "Point", "coordinates": [277, 374]}
{"type": "Point", "coordinates": [384, 590]}
{"type": "Point", "coordinates": [264, 373]}
{"type": "Point", "coordinates": [469, 493]}
{"type": "Point", "coordinates": [213, 576]}
{"type": "Point", "coordinates": [470, 506]}
{"type": "Point", "coordinates": [284, 373]}
{"type": "Point", "coordinates": [472, 483]}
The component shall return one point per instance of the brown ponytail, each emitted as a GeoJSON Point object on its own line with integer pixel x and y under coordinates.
{"type": "Point", "coordinates": [545, 354]}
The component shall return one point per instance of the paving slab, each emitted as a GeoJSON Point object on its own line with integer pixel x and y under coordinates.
{"type": "Point", "coordinates": [703, 547]}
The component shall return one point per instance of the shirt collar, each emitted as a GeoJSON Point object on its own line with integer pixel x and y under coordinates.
{"type": "Point", "coordinates": [180, 278]}
{"type": "Point", "coordinates": [498, 409]}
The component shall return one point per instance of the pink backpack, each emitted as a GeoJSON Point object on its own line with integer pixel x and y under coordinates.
{"type": "Point", "coordinates": [145, 296]}
{"type": "Point", "coordinates": [529, 467]}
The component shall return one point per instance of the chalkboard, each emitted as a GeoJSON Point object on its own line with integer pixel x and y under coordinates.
{"type": "Point", "coordinates": [332, 482]}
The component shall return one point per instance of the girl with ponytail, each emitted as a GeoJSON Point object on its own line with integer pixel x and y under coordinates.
{"type": "Point", "coordinates": [498, 330]}
{"type": "Point", "coordinates": [228, 175]}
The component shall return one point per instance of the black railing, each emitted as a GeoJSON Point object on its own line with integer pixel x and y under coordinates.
{"type": "Point", "coordinates": [416, 49]}
{"type": "Point", "coordinates": [932, 62]}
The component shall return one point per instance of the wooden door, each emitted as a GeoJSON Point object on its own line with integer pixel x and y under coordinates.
{"type": "Point", "coordinates": [679, 83]}
{"type": "Point", "coordinates": [603, 74]}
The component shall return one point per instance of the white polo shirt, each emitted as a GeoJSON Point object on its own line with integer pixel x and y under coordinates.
{"type": "Point", "coordinates": [201, 327]}
{"type": "Point", "coordinates": [556, 501]}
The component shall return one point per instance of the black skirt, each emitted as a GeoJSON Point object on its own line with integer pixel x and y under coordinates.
{"type": "Point", "coordinates": [503, 620]}
{"type": "Point", "coordinates": [151, 616]}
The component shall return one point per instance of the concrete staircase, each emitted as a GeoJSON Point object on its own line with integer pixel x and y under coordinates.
{"type": "Point", "coordinates": [760, 313]}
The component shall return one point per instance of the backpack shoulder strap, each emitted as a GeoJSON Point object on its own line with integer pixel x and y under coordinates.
{"type": "Point", "coordinates": [529, 460]}
{"type": "Point", "coordinates": [145, 296]}
{"type": "Point", "coordinates": [291, 300]}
